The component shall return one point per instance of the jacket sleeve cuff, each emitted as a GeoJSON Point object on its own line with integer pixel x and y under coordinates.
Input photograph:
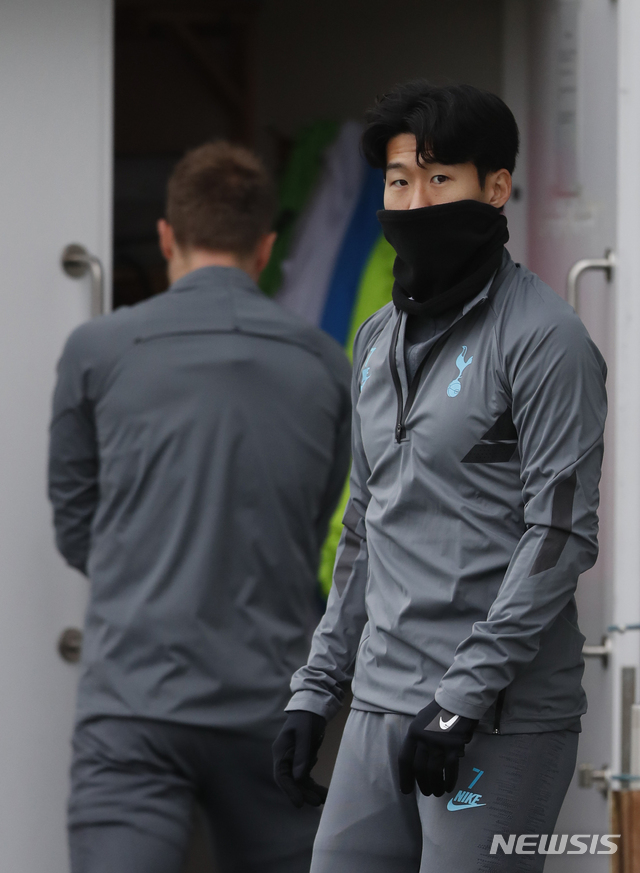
{"type": "Point", "coordinates": [458, 705]}
{"type": "Point", "coordinates": [325, 705]}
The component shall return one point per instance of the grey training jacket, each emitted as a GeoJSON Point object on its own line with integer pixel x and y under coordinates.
{"type": "Point", "coordinates": [473, 511]}
{"type": "Point", "coordinates": [199, 444]}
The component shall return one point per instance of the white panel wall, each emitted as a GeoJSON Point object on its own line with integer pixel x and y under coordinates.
{"type": "Point", "coordinates": [55, 188]}
{"type": "Point", "coordinates": [625, 408]}
{"type": "Point", "coordinates": [572, 215]}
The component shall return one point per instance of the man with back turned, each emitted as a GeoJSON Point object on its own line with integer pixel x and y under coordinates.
{"type": "Point", "coordinates": [199, 445]}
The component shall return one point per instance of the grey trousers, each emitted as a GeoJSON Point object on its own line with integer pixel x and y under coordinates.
{"type": "Point", "coordinates": [508, 784]}
{"type": "Point", "coordinates": [133, 786]}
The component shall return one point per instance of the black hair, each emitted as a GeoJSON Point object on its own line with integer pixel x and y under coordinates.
{"type": "Point", "coordinates": [452, 124]}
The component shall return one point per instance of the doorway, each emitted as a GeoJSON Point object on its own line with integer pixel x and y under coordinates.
{"type": "Point", "coordinates": [257, 73]}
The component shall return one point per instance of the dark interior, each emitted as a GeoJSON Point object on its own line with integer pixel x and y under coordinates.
{"type": "Point", "coordinates": [255, 71]}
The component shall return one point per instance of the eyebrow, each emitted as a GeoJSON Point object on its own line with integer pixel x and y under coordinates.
{"type": "Point", "coordinates": [396, 165]}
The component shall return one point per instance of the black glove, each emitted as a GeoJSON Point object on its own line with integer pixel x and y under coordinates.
{"type": "Point", "coordinates": [295, 752]}
{"type": "Point", "coordinates": [432, 748]}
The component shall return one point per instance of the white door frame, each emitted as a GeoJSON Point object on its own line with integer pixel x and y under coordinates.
{"type": "Point", "coordinates": [626, 572]}
{"type": "Point", "coordinates": [55, 189]}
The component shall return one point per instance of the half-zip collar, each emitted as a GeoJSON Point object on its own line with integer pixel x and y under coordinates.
{"type": "Point", "coordinates": [404, 406]}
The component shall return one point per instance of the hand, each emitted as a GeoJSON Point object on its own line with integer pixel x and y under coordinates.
{"type": "Point", "coordinates": [295, 753]}
{"type": "Point", "coordinates": [432, 748]}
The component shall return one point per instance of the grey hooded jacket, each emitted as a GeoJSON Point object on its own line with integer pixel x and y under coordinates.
{"type": "Point", "coordinates": [199, 444]}
{"type": "Point", "coordinates": [473, 510]}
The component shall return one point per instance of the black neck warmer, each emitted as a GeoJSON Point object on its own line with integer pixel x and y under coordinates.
{"type": "Point", "coordinates": [446, 253]}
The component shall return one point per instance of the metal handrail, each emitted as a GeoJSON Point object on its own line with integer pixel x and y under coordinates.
{"type": "Point", "coordinates": [601, 651]}
{"type": "Point", "coordinates": [76, 261]}
{"type": "Point", "coordinates": [606, 647]}
{"type": "Point", "coordinates": [607, 264]}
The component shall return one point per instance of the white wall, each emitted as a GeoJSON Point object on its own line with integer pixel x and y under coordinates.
{"type": "Point", "coordinates": [625, 406]}
{"type": "Point", "coordinates": [564, 227]}
{"type": "Point", "coordinates": [55, 188]}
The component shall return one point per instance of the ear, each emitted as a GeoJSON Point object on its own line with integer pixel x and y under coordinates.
{"type": "Point", "coordinates": [498, 188]}
{"type": "Point", "coordinates": [166, 239]}
{"type": "Point", "coordinates": [263, 251]}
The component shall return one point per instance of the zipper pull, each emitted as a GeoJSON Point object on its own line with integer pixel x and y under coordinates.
{"type": "Point", "coordinates": [399, 432]}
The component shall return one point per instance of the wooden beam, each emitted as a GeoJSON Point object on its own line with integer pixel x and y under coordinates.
{"type": "Point", "coordinates": [625, 820]}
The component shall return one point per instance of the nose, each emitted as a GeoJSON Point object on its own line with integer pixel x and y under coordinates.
{"type": "Point", "coordinates": [421, 197]}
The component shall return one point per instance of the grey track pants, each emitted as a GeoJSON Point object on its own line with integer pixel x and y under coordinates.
{"type": "Point", "coordinates": [133, 785]}
{"type": "Point", "coordinates": [508, 784]}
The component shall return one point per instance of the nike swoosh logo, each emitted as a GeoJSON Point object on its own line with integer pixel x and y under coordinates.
{"type": "Point", "coordinates": [451, 806]}
{"type": "Point", "coordinates": [445, 725]}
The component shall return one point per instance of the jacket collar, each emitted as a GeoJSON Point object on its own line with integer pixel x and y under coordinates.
{"type": "Point", "coordinates": [485, 292]}
{"type": "Point", "coordinates": [207, 278]}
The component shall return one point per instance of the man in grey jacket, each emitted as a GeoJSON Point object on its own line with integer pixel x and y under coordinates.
{"type": "Point", "coordinates": [199, 445]}
{"type": "Point", "coordinates": [479, 409]}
